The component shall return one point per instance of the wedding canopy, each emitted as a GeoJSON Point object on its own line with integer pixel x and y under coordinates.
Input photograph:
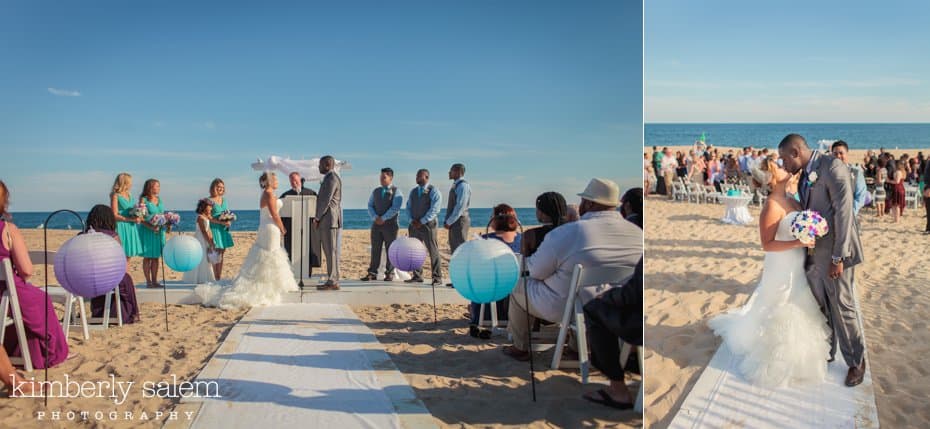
{"type": "Point", "coordinates": [308, 168]}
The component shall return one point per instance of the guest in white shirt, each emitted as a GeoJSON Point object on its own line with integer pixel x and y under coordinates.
{"type": "Point", "coordinates": [601, 238]}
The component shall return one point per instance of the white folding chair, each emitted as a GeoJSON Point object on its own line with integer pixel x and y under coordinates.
{"type": "Point", "coordinates": [624, 354]}
{"type": "Point", "coordinates": [711, 195]}
{"type": "Point", "coordinates": [910, 197]}
{"type": "Point", "coordinates": [761, 196]}
{"type": "Point", "coordinates": [11, 300]}
{"type": "Point", "coordinates": [581, 278]}
{"type": "Point", "coordinates": [58, 294]}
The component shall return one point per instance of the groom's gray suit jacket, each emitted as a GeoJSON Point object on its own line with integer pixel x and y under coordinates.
{"type": "Point", "coordinates": [831, 195]}
{"type": "Point", "coordinates": [830, 192]}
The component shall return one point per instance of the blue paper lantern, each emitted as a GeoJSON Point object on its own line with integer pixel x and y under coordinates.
{"type": "Point", "coordinates": [484, 270]}
{"type": "Point", "coordinates": [183, 253]}
{"type": "Point", "coordinates": [90, 265]}
{"type": "Point", "coordinates": [407, 253]}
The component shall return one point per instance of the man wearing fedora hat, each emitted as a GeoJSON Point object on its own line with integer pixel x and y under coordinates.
{"type": "Point", "coordinates": [601, 238]}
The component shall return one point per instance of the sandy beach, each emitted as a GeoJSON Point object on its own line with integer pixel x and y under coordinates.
{"type": "Point", "coordinates": [463, 381]}
{"type": "Point", "coordinates": [697, 267]}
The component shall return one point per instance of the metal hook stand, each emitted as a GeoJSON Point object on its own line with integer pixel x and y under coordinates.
{"type": "Point", "coordinates": [47, 301]}
{"type": "Point", "coordinates": [164, 289]}
{"type": "Point", "coordinates": [526, 307]}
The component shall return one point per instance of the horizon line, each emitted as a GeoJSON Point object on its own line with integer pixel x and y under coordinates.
{"type": "Point", "coordinates": [780, 122]}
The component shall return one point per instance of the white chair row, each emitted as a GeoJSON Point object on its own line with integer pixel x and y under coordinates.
{"type": "Point", "coordinates": [573, 320]}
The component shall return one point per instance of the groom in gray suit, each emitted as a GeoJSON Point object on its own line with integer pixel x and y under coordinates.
{"type": "Point", "coordinates": [826, 187]}
{"type": "Point", "coordinates": [328, 220]}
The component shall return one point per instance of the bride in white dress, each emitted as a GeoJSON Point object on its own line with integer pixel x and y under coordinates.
{"type": "Point", "coordinates": [780, 336]}
{"type": "Point", "coordinates": [266, 273]}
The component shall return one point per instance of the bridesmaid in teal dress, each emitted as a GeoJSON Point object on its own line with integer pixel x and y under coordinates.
{"type": "Point", "coordinates": [153, 237]}
{"type": "Point", "coordinates": [127, 225]}
{"type": "Point", "coordinates": [221, 236]}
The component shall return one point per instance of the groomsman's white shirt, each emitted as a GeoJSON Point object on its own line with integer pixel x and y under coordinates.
{"type": "Point", "coordinates": [599, 239]}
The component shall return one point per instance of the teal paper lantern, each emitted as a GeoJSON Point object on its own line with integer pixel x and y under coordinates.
{"type": "Point", "coordinates": [183, 253]}
{"type": "Point", "coordinates": [484, 270]}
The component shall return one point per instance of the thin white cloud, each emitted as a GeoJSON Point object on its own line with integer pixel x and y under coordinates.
{"type": "Point", "coordinates": [842, 83]}
{"type": "Point", "coordinates": [210, 125]}
{"type": "Point", "coordinates": [64, 92]}
{"type": "Point", "coordinates": [786, 108]}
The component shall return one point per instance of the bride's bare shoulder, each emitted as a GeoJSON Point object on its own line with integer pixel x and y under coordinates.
{"type": "Point", "coordinates": [772, 211]}
{"type": "Point", "coordinates": [265, 198]}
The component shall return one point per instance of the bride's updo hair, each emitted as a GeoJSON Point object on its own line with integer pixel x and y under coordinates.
{"type": "Point", "coordinates": [265, 180]}
{"type": "Point", "coordinates": [769, 166]}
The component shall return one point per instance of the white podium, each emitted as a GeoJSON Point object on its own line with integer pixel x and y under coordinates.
{"type": "Point", "coordinates": [300, 209]}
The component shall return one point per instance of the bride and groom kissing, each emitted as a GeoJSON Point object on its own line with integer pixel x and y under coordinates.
{"type": "Point", "coordinates": [804, 304]}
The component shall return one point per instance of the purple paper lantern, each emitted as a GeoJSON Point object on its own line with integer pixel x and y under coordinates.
{"type": "Point", "coordinates": [90, 265]}
{"type": "Point", "coordinates": [407, 254]}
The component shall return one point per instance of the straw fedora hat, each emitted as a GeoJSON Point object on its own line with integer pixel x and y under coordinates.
{"type": "Point", "coordinates": [602, 191]}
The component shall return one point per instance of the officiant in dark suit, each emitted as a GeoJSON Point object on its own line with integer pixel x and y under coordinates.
{"type": "Point", "coordinates": [297, 188]}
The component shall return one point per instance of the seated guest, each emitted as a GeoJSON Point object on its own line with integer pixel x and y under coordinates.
{"type": "Point", "coordinates": [101, 219]}
{"type": "Point", "coordinates": [631, 206]}
{"type": "Point", "coordinates": [618, 313]}
{"type": "Point", "coordinates": [13, 379]}
{"type": "Point", "coordinates": [49, 344]}
{"type": "Point", "coordinates": [602, 238]}
{"type": "Point", "coordinates": [572, 214]}
{"type": "Point", "coordinates": [504, 223]}
{"type": "Point", "coordinates": [550, 212]}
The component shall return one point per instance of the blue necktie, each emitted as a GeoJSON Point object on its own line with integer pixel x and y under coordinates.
{"type": "Point", "coordinates": [804, 187]}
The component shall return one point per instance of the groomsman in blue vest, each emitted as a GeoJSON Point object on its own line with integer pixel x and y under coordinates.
{"type": "Point", "coordinates": [423, 207]}
{"type": "Point", "coordinates": [457, 220]}
{"type": "Point", "coordinates": [383, 207]}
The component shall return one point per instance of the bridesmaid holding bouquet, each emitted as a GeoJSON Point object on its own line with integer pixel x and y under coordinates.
{"type": "Point", "coordinates": [127, 216]}
{"type": "Point", "coordinates": [222, 239]}
{"type": "Point", "coordinates": [152, 231]}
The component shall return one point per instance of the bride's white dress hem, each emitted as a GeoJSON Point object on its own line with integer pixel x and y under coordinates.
{"type": "Point", "coordinates": [780, 336]}
{"type": "Point", "coordinates": [265, 275]}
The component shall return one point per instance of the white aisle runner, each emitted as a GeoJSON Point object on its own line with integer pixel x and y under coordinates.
{"type": "Point", "coordinates": [722, 398]}
{"type": "Point", "coordinates": [305, 365]}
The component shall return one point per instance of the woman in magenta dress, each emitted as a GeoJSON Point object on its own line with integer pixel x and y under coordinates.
{"type": "Point", "coordinates": [38, 312]}
{"type": "Point", "coordinates": [101, 219]}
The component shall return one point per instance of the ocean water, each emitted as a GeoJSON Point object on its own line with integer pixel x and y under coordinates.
{"type": "Point", "coordinates": [248, 219]}
{"type": "Point", "coordinates": [858, 136]}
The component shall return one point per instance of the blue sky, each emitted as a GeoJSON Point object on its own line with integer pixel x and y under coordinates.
{"type": "Point", "coordinates": [787, 61]}
{"type": "Point", "coordinates": [531, 96]}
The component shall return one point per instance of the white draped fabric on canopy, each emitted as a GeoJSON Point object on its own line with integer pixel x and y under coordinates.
{"type": "Point", "coordinates": [308, 168]}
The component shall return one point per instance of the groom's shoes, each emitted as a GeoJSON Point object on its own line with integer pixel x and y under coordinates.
{"type": "Point", "coordinates": [329, 285]}
{"type": "Point", "coordinates": [855, 375]}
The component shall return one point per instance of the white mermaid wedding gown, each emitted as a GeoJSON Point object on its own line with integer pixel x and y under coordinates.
{"type": "Point", "coordinates": [780, 336]}
{"type": "Point", "coordinates": [264, 277]}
